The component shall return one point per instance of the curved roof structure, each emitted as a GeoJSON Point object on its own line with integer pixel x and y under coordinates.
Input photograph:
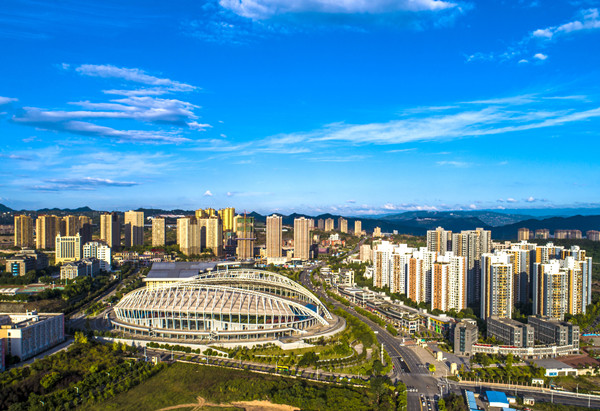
{"type": "Point", "coordinates": [233, 302]}
{"type": "Point", "coordinates": [262, 280]}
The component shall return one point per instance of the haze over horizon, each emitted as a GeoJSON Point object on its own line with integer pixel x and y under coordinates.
{"type": "Point", "coordinates": [312, 107]}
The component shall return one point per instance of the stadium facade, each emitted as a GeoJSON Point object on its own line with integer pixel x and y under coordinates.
{"type": "Point", "coordinates": [239, 304]}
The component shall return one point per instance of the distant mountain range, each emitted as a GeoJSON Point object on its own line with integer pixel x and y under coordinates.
{"type": "Point", "coordinates": [504, 226]}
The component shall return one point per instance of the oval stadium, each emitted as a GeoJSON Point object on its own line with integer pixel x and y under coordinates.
{"type": "Point", "coordinates": [239, 304]}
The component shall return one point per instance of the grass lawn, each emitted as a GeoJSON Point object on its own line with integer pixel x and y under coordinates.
{"type": "Point", "coordinates": [182, 383]}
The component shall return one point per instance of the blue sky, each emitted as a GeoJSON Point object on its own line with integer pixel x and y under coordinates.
{"type": "Point", "coordinates": [349, 106]}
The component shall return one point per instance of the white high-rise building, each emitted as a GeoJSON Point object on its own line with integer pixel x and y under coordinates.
{"type": "Point", "coordinates": [100, 251]}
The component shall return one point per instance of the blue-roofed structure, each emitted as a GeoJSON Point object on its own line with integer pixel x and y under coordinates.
{"type": "Point", "coordinates": [497, 399]}
{"type": "Point", "coordinates": [471, 403]}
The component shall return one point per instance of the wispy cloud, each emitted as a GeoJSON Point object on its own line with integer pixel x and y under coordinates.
{"type": "Point", "coordinates": [15, 157]}
{"type": "Point", "coordinates": [86, 184]}
{"type": "Point", "coordinates": [6, 100]}
{"type": "Point", "coordinates": [469, 119]}
{"type": "Point", "coordinates": [524, 49]}
{"type": "Point", "coordinates": [134, 106]}
{"type": "Point", "coordinates": [458, 164]}
{"type": "Point", "coordinates": [244, 21]}
{"type": "Point", "coordinates": [264, 9]}
{"type": "Point", "coordinates": [132, 74]}
{"type": "Point", "coordinates": [208, 193]}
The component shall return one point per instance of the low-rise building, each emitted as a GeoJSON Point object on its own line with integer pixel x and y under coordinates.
{"type": "Point", "coordinates": [20, 265]}
{"type": "Point", "coordinates": [510, 332]}
{"type": "Point", "coordinates": [465, 336]}
{"type": "Point", "coordinates": [41, 259]}
{"type": "Point", "coordinates": [31, 333]}
{"type": "Point", "coordinates": [555, 332]}
{"type": "Point", "coordinates": [71, 270]}
{"type": "Point", "coordinates": [99, 250]}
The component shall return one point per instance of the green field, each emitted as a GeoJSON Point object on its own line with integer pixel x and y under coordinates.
{"type": "Point", "coordinates": [182, 383]}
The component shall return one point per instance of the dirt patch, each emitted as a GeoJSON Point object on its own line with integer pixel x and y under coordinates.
{"type": "Point", "coordinates": [245, 405]}
{"type": "Point", "coordinates": [575, 360]}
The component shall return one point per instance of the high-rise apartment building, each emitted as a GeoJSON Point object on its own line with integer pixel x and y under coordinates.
{"type": "Point", "coordinates": [366, 254]}
{"type": "Point", "coordinates": [321, 224]}
{"type": "Point", "coordinates": [85, 228]}
{"type": "Point", "coordinates": [159, 232]}
{"type": "Point", "coordinates": [562, 285]}
{"type": "Point", "coordinates": [23, 231]}
{"type": "Point", "coordinates": [523, 234]}
{"type": "Point", "coordinates": [550, 290]}
{"type": "Point", "coordinates": [449, 283]}
{"type": "Point", "coordinates": [212, 228]}
{"type": "Point", "coordinates": [567, 234]}
{"type": "Point", "coordinates": [244, 227]}
{"type": "Point", "coordinates": [542, 234]}
{"type": "Point", "coordinates": [357, 227]}
{"type": "Point", "coordinates": [46, 229]}
{"type": "Point", "coordinates": [274, 236]}
{"type": "Point", "coordinates": [471, 244]}
{"type": "Point", "coordinates": [329, 224]}
{"type": "Point", "coordinates": [110, 230]}
{"type": "Point", "coordinates": [497, 285]}
{"type": "Point", "coordinates": [189, 236]}
{"type": "Point", "coordinates": [134, 228]}
{"type": "Point", "coordinates": [71, 225]}
{"type": "Point", "coordinates": [100, 251]}
{"type": "Point", "coordinates": [68, 248]}
{"type": "Point", "coordinates": [377, 232]}
{"type": "Point", "coordinates": [439, 240]}
{"type": "Point", "coordinates": [593, 235]}
{"type": "Point", "coordinates": [227, 215]}
{"type": "Point", "coordinates": [206, 212]}
{"type": "Point", "coordinates": [343, 225]}
{"type": "Point", "coordinates": [301, 239]}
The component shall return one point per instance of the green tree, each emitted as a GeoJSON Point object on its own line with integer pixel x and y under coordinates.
{"type": "Point", "coordinates": [441, 405]}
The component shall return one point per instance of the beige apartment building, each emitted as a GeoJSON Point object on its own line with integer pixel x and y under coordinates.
{"type": "Point", "coordinates": [343, 225]}
{"type": "Point", "coordinates": [134, 228]}
{"type": "Point", "coordinates": [46, 229]}
{"type": "Point", "coordinates": [159, 233]}
{"type": "Point", "coordinates": [274, 236]}
{"type": "Point", "coordinates": [357, 227]}
{"type": "Point", "coordinates": [110, 230]}
{"type": "Point", "coordinates": [23, 231]}
{"type": "Point", "coordinates": [301, 239]}
{"type": "Point", "coordinates": [329, 224]}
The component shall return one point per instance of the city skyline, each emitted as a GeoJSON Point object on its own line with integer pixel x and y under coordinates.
{"type": "Point", "coordinates": [312, 108]}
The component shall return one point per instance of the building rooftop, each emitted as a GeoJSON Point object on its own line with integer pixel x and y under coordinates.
{"type": "Point", "coordinates": [497, 399]}
{"type": "Point", "coordinates": [551, 363]}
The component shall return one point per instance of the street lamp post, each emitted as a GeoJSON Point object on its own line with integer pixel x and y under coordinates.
{"type": "Point", "coordinates": [577, 390]}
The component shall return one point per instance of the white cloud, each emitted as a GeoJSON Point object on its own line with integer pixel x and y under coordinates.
{"type": "Point", "coordinates": [207, 193]}
{"type": "Point", "coordinates": [523, 61]}
{"type": "Point", "coordinates": [530, 200]}
{"type": "Point", "coordinates": [194, 125]}
{"type": "Point", "coordinates": [264, 9]}
{"type": "Point", "coordinates": [472, 206]}
{"type": "Point", "coordinates": [134, 75]}
{"type": "Point", "coordinates": [588, 20]}
{"type": "Point", "coordinates": [511, 200]}
{"type": "Point", "coordinates": [459, 164]}
{"type": "Point", "coordinates": [540, 56]}
{"type": "Point", "coordinates": [6, 100]}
